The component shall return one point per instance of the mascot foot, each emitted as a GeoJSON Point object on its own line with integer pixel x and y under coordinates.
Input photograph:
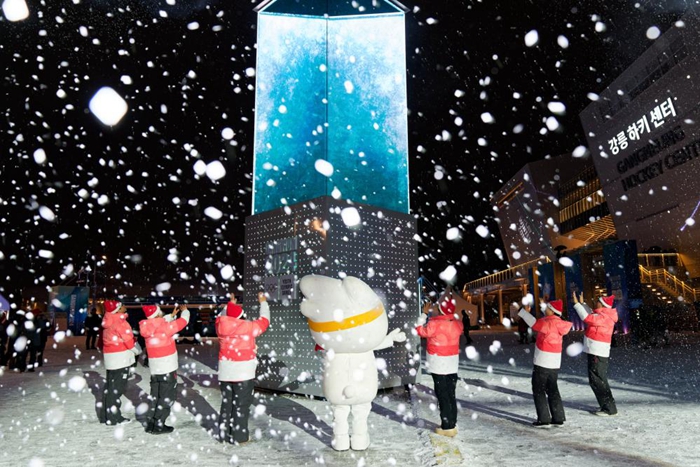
{"type": "Point", "coordinates": [360, 442]}
{"type": "Point", "coordinates": [341, 442]}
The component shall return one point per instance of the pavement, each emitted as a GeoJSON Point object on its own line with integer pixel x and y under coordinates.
{"type": "Point", "coordinates": [49, 417]}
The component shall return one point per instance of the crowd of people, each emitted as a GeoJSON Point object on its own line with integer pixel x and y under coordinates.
{"type": "Point", "coordinates": [236, 372]}
{"type": "Point", "coordinates": [122, 338]}
{"type": "Point", "coordinates": [444, 330]}
{"type": "Point", "coordinates": [23, 337]}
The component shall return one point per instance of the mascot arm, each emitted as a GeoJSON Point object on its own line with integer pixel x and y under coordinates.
{"type": "Point", "coordinates": [394, 336]}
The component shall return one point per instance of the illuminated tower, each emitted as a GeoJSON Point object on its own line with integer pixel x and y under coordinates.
{"type": "Point", "coordinates": [331, 86]}
{"type": "Point", "coordinates": [330, 189]}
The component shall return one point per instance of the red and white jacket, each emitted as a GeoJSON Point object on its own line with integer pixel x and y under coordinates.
{"type": "Point", "coordinates": [600, 325]}
{"type": "Point", "coordinates": [160, 344]}
{"type": "Point", "coordinates": [237, 349]}
{"type": "Point", "coordinates": [442, 352]}
{"type": "Point", "coordinates": [550, 333]}
{"type": "Point", "coordinates": [117, 342]}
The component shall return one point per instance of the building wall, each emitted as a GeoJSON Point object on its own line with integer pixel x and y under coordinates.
{"type": "Point", "coordinates": [528, 209]}
{"type": "Point", "coordinates": [644, 138]}
{"type": "Point", "coordinates": [282, 246]}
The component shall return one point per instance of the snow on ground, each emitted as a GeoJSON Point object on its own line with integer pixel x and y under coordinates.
{"type": "Point", "coordinates": [46, 419]}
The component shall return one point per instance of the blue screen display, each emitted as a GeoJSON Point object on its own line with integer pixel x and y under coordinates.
{"type": "Point", "coordinates": [333, 89]}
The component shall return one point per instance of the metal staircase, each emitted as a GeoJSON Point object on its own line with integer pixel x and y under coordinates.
{"type": "Point", "coordinates": [508, 276]}
{"type": "Point", "coordinates": [669, 283]}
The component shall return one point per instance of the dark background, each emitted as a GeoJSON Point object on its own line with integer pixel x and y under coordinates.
{"type": "Point", "coordinates": [146, 162]}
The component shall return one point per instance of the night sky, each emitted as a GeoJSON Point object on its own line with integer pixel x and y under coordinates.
{"type": "Point", "coordinates": [130, 193]}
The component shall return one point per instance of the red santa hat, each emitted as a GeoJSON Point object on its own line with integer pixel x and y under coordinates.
{"type": "Point", "coordinates": [557, 306]}
{"type": "Point", "coordinates": [607, 302]}
{"type": "Point", "coordinates": [112, 306]}
{"type": "Point", "coordinates": [234, 310]}
{"type": "Point", "coordinates": [447, 306]}
{"type": "Point", "coordinates": [151, 311]}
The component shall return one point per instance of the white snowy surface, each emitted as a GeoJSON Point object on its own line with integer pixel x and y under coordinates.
{"type": "Point", "coordinates": [46, 418]}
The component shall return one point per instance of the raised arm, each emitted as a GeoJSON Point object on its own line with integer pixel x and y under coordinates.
{"type": "Point", "coordinates": [179, 324]}
{"type": "Point", "coordinates": [422, 330]}
{"type": "Point", "coordinates": [525, 315]}
{"type": "Point", "coordinates": [261, 324]}
{"type": "Point", "coordinates": [581, 308]}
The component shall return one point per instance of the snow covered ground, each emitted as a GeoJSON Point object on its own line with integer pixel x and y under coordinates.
{"type": "Point", "coordinates": [46, 418]}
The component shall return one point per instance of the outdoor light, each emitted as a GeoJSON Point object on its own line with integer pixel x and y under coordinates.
{"type": "Point", "coordinates": [331, 110]}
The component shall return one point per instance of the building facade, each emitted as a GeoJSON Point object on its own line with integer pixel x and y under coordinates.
{"type": "Point", "coordinates": [644, 136]}
{"type": "Point", "coordinates": [622, 221]}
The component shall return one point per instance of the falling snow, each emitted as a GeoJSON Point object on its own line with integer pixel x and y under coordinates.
{"type": "Point", "coordinates": [128, 135]}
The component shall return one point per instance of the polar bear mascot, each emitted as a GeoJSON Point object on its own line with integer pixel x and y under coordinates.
{"type": "Point", "coordinates": [347, 319]}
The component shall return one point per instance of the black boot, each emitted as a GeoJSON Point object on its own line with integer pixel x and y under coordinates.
{"type": "Point", "coordinates": [162, 430]}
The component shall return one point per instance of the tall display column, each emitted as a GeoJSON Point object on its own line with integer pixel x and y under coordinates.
{"type": "Point", "coordinates": [330, 188]}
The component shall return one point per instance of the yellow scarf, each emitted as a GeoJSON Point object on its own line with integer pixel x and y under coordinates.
{"type": "Point", "coordinates": [348, 323]}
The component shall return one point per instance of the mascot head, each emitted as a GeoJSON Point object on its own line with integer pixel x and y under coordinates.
{"type": "Point", "coordinates": [344, 315]}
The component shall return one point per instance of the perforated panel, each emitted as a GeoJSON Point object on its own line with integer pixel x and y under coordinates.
{"type": "Point", "coordinates": [311, 238]}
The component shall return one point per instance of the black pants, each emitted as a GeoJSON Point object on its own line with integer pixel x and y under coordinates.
{"type": "Point", "coordinates": [598, 379]}
{"type": "Point", "coordinates": [522, 332]}
{"type": "Point", "coordinates": [40, 353]}
{"type": "Point", "coordinates": [466, 334]}
{"type": "Point", "coordinates": [546, 394]}
{"type": "Point", "coordinates": [445, 386]}
{"type": "Point", "coordinates": [36, 357]}
{"type": "Point", "coordinates": [91, 340]}
{"type": "Point", "coordinates": [18, 360]}
{"type": "Point", "coordinates": [4, 357]}
{"type": "Point", "coordinates": [7, 357]}
{"type": "Point", "coordinates": [236, 399]}
{"type": "Point", "coordinates": [115, 387]}
{"type": "Point", "coordinates": [163, 395]}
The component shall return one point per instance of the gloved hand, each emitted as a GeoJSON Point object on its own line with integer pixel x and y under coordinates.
{"type": "Point", "coordinates": [422, 319]}
{"type": "Point", "coordinates": [397, 335]}
{"type": "Point", "coordinates": [137, 349]}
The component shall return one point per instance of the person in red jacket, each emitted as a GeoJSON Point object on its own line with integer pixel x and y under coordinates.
{"type": "Point", "coordinates": [600, 325]}
{"type": "Point", "coordinates": [119, 349]}
{"type": "Point", "coordinates": [550, 332]}
{"type": "Point", "coordinates": [442, 359]}
{"type": "Point", "coordinates": [162, 361]}
{"type": "Point", "coordinates": [237, 364]}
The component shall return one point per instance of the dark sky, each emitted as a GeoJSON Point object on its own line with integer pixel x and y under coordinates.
{"type": "Point", "coordinates": [187, 82]}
